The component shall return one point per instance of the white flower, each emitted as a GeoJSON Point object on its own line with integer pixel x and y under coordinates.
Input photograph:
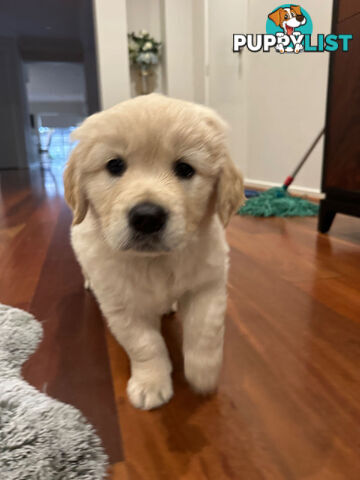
{"type": "Point", "coordinates": [133, 46]}
{"type": "Point", "coordinates": [147, 46]}
{"type": "Point", "coordinates": [147, 59]}
{"type": "Point", "coordinates": [142, 33]}
{"type": "Point", "coordinates": [142, 58]}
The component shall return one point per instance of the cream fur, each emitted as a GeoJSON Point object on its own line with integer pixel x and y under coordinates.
{"type": "Point", "coordinates": [188, 264]}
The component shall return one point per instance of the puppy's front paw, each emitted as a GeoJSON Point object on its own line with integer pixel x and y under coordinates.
{"type": "Point", "coordinates": [151, 393]}
{"type": "Point", "coordinates": [203, 373]}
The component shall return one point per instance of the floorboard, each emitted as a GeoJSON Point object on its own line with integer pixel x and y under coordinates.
{"type": "Point", "coordinates": [288, 403]}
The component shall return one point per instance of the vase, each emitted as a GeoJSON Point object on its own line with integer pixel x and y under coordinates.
{"type": "Point", "coordinates": [145, 72]}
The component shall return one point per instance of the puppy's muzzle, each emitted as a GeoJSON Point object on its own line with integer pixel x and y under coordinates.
{"type": "Point", "coordinates": [147, 218]}
{"type": "Point", "coordinates": [300, 18]}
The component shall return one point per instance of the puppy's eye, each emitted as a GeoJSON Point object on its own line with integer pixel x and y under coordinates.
{"type": "Point", "coordinates": [183, 170]}
{"type": "Point", "coordinates": [286, 17]}
{"type": "Point", "coordinates": [116, 166]}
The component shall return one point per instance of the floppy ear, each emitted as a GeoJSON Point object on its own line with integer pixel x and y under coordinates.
{"type": "Point", "coordinates": [230, 191]}
{"type": "Point", "coordinates": [74, 194]}
{"type": "Point", "coordinates": [275, 16]}
{"type": "Point", "coordinates": [296, 8]}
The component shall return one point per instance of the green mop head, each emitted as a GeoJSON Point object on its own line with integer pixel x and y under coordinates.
{"type": "Point", "coordinates": [276, 202]}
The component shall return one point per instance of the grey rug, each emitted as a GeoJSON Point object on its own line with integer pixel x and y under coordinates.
{"type": "Point", "coordinates": [40, 438]}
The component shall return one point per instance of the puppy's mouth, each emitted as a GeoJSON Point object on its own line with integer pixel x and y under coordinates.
{"type": "Point", "coordinates": [289, 30]}
{"type": "Point", "coordinates": [147, 244]}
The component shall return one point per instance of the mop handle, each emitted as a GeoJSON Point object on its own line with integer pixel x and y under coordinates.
{"type": "Point", "coordinates": [291, 178]}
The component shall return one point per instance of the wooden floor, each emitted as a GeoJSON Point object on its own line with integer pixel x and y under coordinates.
{"type": "Point", "coordinates": [288, 404]}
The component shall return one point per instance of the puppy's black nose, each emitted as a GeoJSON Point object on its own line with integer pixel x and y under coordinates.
{"type": "Point", "coordinates": [300, 18]}
{"type": "Point", "coordinates": [147, 218]}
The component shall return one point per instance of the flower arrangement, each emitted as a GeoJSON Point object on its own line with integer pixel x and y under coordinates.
{"type": "Point", "coordinates": [144, 51]}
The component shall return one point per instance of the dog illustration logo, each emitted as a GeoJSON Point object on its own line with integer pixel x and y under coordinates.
{"type": "Point", "coordinates": [289, 29]}
{"type": "Point", "coordinates": [292, 21]}
{"type": "Point", "coordinates": [288, 18]}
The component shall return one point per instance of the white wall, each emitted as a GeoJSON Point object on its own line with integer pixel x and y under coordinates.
{"type": "Point", "coordinates": [169, 20]}
{"type": "Point", "coordinates": [58, 89]}
{"type": "Point", "coordinates": [286, 101]}
{"type": "Point", "coordinates": [58, 114]}
{"type": "Point", "coordinates": [274, 104]}
{"type": "Point", "coordinates": [227, 83]}
{"type": "Point", "coordinates": [55, 81]}
{"type": "Point", "coordinates": [112, 51]}
{"type": "Point", "coordinates": [178, 23]}
{"type": "Point", "coordinates": [200, 56]}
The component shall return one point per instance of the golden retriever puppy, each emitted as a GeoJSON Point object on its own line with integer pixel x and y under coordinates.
{"type": "Point", "coordinates": [151, 186]}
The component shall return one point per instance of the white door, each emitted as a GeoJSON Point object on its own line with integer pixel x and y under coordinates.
{"type": "Point", "coordinates": [225, 72]}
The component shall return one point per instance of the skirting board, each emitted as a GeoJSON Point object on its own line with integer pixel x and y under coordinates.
{"type": "Point", "coordinates": [295, 189]}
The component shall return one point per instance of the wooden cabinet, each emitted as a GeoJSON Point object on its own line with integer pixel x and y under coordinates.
{"type": "Point", "coordinates": [341, 167]}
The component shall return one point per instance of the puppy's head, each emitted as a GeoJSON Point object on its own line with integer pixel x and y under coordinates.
{"type": "Point", "coordinates": [288, 18]}
{"type": "Point", "coordinates": [152, 170]}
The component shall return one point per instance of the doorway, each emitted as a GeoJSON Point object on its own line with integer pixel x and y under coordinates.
{"type": "Point", "coordinates": [56, 97]}
{"type": "Point", "coordinates": [45, 44]}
